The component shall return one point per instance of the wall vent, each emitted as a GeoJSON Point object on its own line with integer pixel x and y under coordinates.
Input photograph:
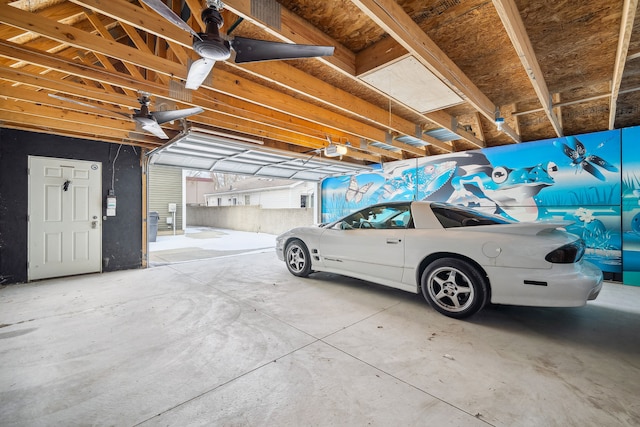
{"type": "Point", "coordinates": [267, 12]}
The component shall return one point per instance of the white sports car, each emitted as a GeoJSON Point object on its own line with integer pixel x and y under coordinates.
{"type": "Point", "coordinates": [458, 258]}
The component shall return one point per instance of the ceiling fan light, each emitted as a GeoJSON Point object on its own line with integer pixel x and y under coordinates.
{"type": "Point", "coordinates": [215, 49]}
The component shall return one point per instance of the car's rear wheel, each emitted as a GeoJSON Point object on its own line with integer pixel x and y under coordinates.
{"type": "Point", "coordinates": [297, 258]}
{"type": "Point", "coordinates": [453, 287]}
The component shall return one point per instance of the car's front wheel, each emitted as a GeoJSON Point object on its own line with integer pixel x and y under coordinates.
{"type": "Point", "coordinates": [453, 287]}
{"type": "Point", "coordinates": [297, 258]}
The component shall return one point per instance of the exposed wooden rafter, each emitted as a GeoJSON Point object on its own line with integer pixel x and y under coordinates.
{"type": "Point", "coordinates": [295, 30]}
{"type": "Point", "coordinates": [626, 26]}
{"type": "Point", "coordinates": [572, 69]}
{"type": "Point", "coordinates": [508, 12]}
{"type": "Point", "coordinates": [390, 16]}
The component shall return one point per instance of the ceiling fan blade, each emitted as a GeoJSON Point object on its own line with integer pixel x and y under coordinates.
{"type": "Point", "coordinates": [198, 71]}
{"type": "Point", "coordinates": [151, 126]}
{"type": "Point", "coordinates": [252, 50]}
{"type": "Point", "coordinates": [167, 116]}
{"type": "Point", "coordinates": [62, 98]}
{"type": "Point", "coordinates": [168, 14]}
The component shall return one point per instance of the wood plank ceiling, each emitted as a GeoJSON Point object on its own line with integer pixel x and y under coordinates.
{"type": "Point", "coordinates": [408, 78]}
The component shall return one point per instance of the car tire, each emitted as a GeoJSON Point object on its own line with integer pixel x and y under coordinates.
{"type": "Point", "coordinates": [453, 287]}
{"type": "Point", "coordinates": [297, 258]}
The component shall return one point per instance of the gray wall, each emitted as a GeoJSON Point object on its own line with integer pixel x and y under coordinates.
{"type": "Point", "coordinates": [165, 186]}
{"type": "Point", "coordinates": [249, 218]}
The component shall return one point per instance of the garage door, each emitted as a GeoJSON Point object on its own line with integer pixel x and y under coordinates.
{"type": "Point", "coordinates": [200, 151]}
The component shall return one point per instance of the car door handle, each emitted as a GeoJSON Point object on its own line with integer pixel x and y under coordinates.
{"type": "Point", "coordinates": [394, 241]}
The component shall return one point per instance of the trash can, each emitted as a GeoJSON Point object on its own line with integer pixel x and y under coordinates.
{"type": "Point", "coordinates": [152, 223]}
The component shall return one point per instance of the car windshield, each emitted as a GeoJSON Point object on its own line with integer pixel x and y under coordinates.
{"type": "Point", "coordinates": [378, 217]}
{"type": "Point", "coordinates": [451, 216]}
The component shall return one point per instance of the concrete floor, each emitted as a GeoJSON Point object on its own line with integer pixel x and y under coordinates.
{"type": "Point", "coordinates": [238, 341]}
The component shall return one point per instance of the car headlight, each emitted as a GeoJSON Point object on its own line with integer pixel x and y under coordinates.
{"type": "Point", "coordinates": [567, 254]}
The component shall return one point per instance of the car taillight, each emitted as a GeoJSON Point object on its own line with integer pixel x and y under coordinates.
{"type": "Point", "coordinates": [567, 254]}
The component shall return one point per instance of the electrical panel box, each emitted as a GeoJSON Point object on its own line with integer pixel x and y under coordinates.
{"type": "Point", "coordinates": [172, 207]}
{"type": "Point", "coordinates": [111, 205]}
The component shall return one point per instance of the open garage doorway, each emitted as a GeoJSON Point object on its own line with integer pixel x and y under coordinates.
{"type": "Point", "coordinates": [200, 184]}
{"type": "Point", "coordinates": [196, 215]}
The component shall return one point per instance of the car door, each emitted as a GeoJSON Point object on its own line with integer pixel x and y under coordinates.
{"type": "Point", "coordinates": [373, 252]}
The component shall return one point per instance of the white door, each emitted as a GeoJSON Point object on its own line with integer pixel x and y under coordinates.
{"type": "Point", "coordinates": [65, 208]}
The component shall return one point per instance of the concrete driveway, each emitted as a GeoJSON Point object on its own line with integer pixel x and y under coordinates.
{"type": "Point", "coordinates": [206, 242]}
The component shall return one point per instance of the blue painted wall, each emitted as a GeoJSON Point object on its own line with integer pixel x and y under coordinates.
{"type": "Point", "coordinates": [583, 179]}
{"type": "Point", "coordinates": [631, 205]}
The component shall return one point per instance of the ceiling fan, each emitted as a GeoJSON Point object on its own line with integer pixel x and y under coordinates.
{"type": "Point", "coordinates": [212, 47]}
{"type": "Point", "coordinates": [150, 121]}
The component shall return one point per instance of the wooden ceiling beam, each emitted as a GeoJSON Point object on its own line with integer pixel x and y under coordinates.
{"type": "Point", "coordinates": [82, 40]}
{"type": "Point", "coordinates": [142, 46]}
{"type": "Point", "coordinates": [396, 155]}
{"type": "Point", "coordinates": [230, 123]}
{"type": "Point", "coordinates": [45, 44]}
{"type": "Point", "coordinates": [56, 109]}
{"type": "Point", "coordinates": [130, 13]}
{"type": "Point", "coordinates": [24, 93]}
{"type": "Point", "coordinates": [124, 13]}
{"type": "Point", "coordinates": [261, 95]}
{"type": "Point", "coordinates": [418, 151]}
{"type": "Point", "coordinates": [195, 6]}
{"type": "Point", "coordinates": [66, 115]}
{"type": "Point", "coordinates": [59, 12]}
{"type": "Point", "coordinates": [437, 143]}
{"type": "Point", "coordinates": [77, 135]}
{"type": "Point", "coordinates": [626, 28]}
{"type": "Point", "coordinates": [225, 105]}
{"type": "Point", "coordinates": [224, 82]}
{"type": "Point", "coordinates": [97, 74]}
{"type": "Point", "coordinates": [357, 154]}
{"type": "Point", "coordinates": [221, 105]}
{"type": "Point", "coordinates": [291, 78]}
{"type": "Point", "coordinates": [444, 120]}
{"type": "Point", "coordinates": [478, 126]}
{"type": "Point", "coordinates": [390, 16]}
{"type": "Point", "coordinates": [512, 21]}
{"type": "Point", "coordinates": [102, 30]}
{"type": "Point", "coordinates": [258, 130]}
{"type": "Point", "coordinates": [71, 133]}
{"type": "Point", "coordinates": [55, 124]}
{"type": "Point", "coordinates": [66, 87]}
{"type": "Point", "coordinates": [294, 30]}
{"type": "Point", "coordinates": [378, 55]}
